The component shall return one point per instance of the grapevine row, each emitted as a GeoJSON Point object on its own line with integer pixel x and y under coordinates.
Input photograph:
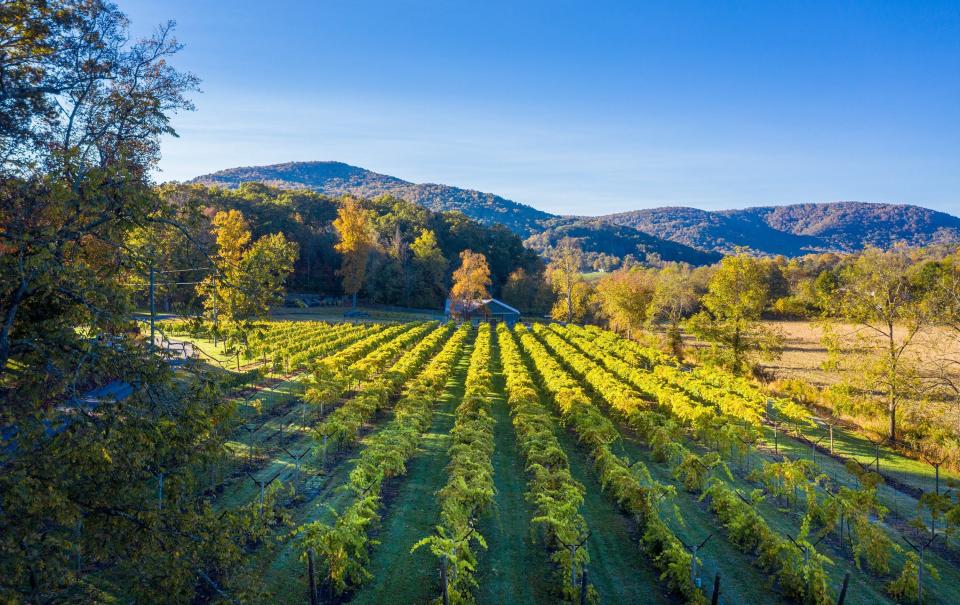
{"type": "Point", "coordinates": [551, 488]}
{"type": "Point", "coordinates": [621, 480]}
{"type": "Point", "coordinates": [469, 489]}
{"type": "Point", "coordinates": [344, 545]}
{"type": "Point", "coordinates": [343, 424]}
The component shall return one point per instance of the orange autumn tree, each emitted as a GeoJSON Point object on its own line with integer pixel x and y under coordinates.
{"type": "Point", "coordinates": [353, 225]}
{"type": "Point", "coordinates": [470, 282]}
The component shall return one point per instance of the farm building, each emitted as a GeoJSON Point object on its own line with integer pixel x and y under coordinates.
{"type": "Point", "coordinates": [483, 309]}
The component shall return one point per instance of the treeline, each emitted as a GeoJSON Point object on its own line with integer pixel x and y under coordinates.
{"type": "Point", "coordinates": [410, 253]}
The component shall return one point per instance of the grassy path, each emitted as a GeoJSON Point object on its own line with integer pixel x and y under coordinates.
{"type": "Point", "coordinates": [619, 570]}
{"type": "Point", "coordinates": [413, 511]}
{"type": "Point", "coordinates": [514, 569]}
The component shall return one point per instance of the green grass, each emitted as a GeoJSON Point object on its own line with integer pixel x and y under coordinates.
{"type": "Point", "coordinates": [514, 569]}
{"type": "Point", "coordinates": [619, 571]}
{"type": "Point", "coordinates": [915, 473]}
{"type": "Point", "coordinates": [413, 511]}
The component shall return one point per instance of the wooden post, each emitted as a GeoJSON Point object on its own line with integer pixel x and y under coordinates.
{"type": "Point", "coordinates": [583, 586]}
{"type": "Point", "coordinates": [920, 576]}
{"type": "Point", "coordinates": [843, 591]}
{"type": "Point", "coordinates": [443, 580]}
{"type": "Point", "coordinates": [311, 580]}
{"type": "Point", "coordinates": [715, 600]}
{"type": "Point", "coordinates": [694, 575]}
{"type": "Point", "coordinates": [76, 545]}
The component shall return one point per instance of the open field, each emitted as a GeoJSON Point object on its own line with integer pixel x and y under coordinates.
{"type": "Point", "coordinates": [627, 426]}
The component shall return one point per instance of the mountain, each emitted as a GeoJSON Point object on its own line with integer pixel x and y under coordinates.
{"type": "Point", "coordinates": [674, 233]}
{"type": "Point", "coordinates": [598, 236]}
{"type": "Point", "coordinates": [796, 229]}
{"type": "Point", "coordinates": [337, 178]}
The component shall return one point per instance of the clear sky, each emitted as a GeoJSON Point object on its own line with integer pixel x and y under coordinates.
{"type": "Point", "coordinates": [582, 107]}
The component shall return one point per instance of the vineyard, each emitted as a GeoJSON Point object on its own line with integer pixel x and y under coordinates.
{"type": "Point", "coordinates": [419, 462]}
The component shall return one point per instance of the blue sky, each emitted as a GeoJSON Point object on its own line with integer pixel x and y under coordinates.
{"type": "Point", "coordinates": [582, 107]}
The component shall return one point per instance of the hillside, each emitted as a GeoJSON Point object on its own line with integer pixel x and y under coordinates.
{"type": "Point", "coordinates": [337, 178]}
{"type": "Point", "coordinates": [597, 236]}
{"type": "Point", "coordinates": [796, 229]}
{"type": "Point", "coordinates": [673, 233]}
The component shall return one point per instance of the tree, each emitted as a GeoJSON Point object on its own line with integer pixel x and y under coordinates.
{"type": "Point", "coordinates": [730, 319]}
{"type": "Point", "coordinates": [430, 267]}
{"type": "Point", "coordinates": [353, 225]}
{"type": "Point", "coordinates": [579, 307]}
{"type": "Point", "coordinates": [564, 271]}
{"type": "Point", "coordinates": [674, 297]}
{"type": "Point", "coordinates": [471, 281]}
{"type": "Point", "coordinates": [249, 278]}
{"type": "Point", "coordinates": [82, 112]}
{"type": "Point", "coordinates": [624, 298]}
{"type": "Point", "coordinates": [526, 291]}
{"type": "Point", "coordinates": [876, 293]}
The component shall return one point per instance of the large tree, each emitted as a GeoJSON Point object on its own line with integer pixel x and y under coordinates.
{"type": "Point", "coordinates": [471, 282]}
{"type": "Point", "coordinates": [730, 319]}
{"type": "Point", "coordinates": [353, 225]}
{"type": "Point", "coordinates": [82, 113]}
{"type": "Point", "coordinates": [674, 297]}
{"type": "Point", "coordinates": [565, 275]}
{"type": "Point", "coordinates": [624, 297]}
{"type": "Point", "coordinates": [880, 295]}
{"type": "Point", "coordinates": [429, 270]}
{"type": "Point", "coordinates": [249, 278]}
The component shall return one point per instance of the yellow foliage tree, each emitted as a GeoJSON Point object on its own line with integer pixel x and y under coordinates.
{"type": "Point", "coordinates": [564, 271]}
{"type": "Point", "coordinates": [353, 225]}
{"type": "Point", "coordinates": [470, 281]}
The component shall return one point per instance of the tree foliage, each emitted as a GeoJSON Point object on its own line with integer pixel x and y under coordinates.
{"type": "Point", "coordinates": [564, 272]}
{"type": "Point", "coordinates": [471, 282]}
{"type": "Point", "coordinates": [356, 240]}
{"type": "Point", "coordinates": [730, 319]}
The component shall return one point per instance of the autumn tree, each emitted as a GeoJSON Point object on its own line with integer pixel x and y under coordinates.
{"type": "Point", "coordinates": [879, 296]}
{"type": "Point", "coordinates": [430, 268]}
{"type": "Point", "coordinates": [730, 319]}
{"type": "Point", "coordinates": [353, 225]}
{"type": "Point", "coordinates": [624, 298]}
{"type": "Point", "coordinates": [249, 278]}
{"type": "Point", "coordinates": [83, 108]}
{"type": "Point", "coordinates": [674, 297]}
{"type": "Point", "coordinates": [565, 275]}
{"type": "Point", "coordinates": [471, 282]}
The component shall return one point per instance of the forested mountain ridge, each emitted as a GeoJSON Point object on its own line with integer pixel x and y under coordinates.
{"type": "Point", "coordinates": [797, 229]}
{"type": "Point", "coordinates": [337, 178]}
{"type": "Point", "coordinates": [673, 233]}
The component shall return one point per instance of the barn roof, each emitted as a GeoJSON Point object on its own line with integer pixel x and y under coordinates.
{"type": "Point", "coordinates": [473, 305]}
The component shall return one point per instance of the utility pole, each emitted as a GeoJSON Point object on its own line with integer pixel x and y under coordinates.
{"type": "Point", "coordinates": [153, 309]}
{"type": "Point", "coordinates": [214, 307]}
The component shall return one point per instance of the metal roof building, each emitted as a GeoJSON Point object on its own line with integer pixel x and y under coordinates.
{"type": "Point", "coordinates": [488, 309]}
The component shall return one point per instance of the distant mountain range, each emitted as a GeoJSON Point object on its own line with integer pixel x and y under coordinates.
{"type": "Point", "coordinates": [673, 233]}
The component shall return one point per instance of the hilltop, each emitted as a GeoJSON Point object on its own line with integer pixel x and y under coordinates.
{"type": "Point", "coordinates": [673, 233]}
